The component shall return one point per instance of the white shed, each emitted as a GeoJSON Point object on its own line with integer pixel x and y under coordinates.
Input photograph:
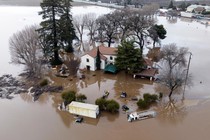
{"type": "Point", "coordinates": [84, 109]}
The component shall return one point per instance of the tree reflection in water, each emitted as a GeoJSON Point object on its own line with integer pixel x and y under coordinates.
{"type": "Point", "coordinates": [172, 20]}
{"type": "Point", "coordinates": [171, 111]}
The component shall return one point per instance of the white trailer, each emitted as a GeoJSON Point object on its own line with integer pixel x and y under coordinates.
{"type": "Point", "coordinates": [84, 109]}
{"type": "Point", "coordinates": [141, 115]}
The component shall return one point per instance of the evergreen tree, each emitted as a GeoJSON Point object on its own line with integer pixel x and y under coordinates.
{"type": "Point", "coordinates": [157, 32]}
{"type": "Point", "coordinates": [183, 6]}
{"type": "Point", "coordinates": [56, 28]}
{"type": "Point", "coordinates": [171, 5]}
{"type": "Point", "coordinates": [129, 57]}
{"type": "Point", "coordinates": [67, 28]}
{"type": "Point", "coordinates": [49, 28]}
{"type": "Point", "coordinates": [98, 60]}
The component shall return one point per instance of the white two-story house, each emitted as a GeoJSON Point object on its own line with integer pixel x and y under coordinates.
{"type": "Point", "coordinates": [107, 55]}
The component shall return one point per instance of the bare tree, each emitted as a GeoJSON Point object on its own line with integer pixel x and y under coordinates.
{"type": "Point", "coordinates": [122, 19]}
{"type": "Point", "coordinates": [107, 28]}
{"type": "Point", "coordinates": [90, 23]}
{"type": "Point", "coordinates": [72, 62]}
{"type": "Point", "coordinates": [136, 3]}
{"type": "Point", "coordinates": [25, 50]}
{"type": "Point", "coordinates": [150, 9]}
{"type": "Point", "coordinates": [139, 24]}
{"type": "Point", "coordinates": [79, 23]}
{"type": "Point", "coordinates": [171, 14]}
{"type": "Point", "coordinates": [173, 67]}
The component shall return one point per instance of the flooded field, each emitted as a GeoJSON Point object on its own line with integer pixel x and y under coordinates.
{"type": "Point", "coordinates": [23, 119]}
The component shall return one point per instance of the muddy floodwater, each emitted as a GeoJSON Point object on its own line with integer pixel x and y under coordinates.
{"type": "Point", "coordinates": [23, 119]}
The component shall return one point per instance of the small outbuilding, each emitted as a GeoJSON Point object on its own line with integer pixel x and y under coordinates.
{"type": "Point", "coordinates": [83, 109]}
{"type": "Point", "coordinates": [110, 68]}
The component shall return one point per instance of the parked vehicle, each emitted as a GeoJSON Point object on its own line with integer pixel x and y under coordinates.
{"type": "Point", "coordinates": [123, 95]}
{"type": "Point", "coordinates": [141, 115]}
{"type": "Point", "coordinates": [79, 120]}
{"type": "Point", "coordinates": [106, 94]}
{"type": "Point", "coordinates": [125, 108]}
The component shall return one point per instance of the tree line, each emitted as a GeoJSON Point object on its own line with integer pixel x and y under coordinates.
{"type": "Point", "coordinates": [59, 29]}
{"type": "Point", "coordinates": [128, 27]}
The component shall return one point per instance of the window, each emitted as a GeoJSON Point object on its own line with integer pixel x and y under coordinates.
{"type": "Point", "coordinates": [111, 58]}
{"type": "Point", "coordinates": [87, 60]}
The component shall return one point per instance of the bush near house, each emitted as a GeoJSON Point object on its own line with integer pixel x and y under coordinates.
{"type": "Point", "coordinates": [147, 101]}
{"type": "Point", "coordinates": [101, 102]}
{"type": "Point", "coordinates": [150, 98]}
{"type": "Point", "coordinates": [68, 97]}
{"type": "Point", "coordinates": [142, 104]}
{"type": "Point", "coordinates": [107, 105]}
{"type": "Point", "coordinates": [81, 97]}
{"type": "Point", "coordinates": [112, 106]}
{"type": "Point", "coordinates": [206, 13]}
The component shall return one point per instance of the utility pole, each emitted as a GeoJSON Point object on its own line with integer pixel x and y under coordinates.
{"type": "Point", "coordinates": [188, 66]}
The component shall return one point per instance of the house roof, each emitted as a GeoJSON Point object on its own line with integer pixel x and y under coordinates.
{"type": "Point", "coordinates": [148, 62]}
{"type": "Point", "coordinates": [199, 9]}
{"type": "Point", "coordinates": [147, 73]}
{"type": "Point", "coordinates": [103, 51]}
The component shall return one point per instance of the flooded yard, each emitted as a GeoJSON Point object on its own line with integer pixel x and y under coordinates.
{"type": "Point", "coordinates": [23, 119]}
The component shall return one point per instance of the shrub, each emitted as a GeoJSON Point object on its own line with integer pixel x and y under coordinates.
{"type": "Point", "coordinates": [68, 97]}
{"type": "Point", "coordinates": [81, 97]}
{"type": "Point", "coordinates": [108, 105]}
{"type": "Point", "coordinates": [142, 104]}
{"type": "Point", "coordinates": [147, 100]}
{"type": "Point", "coordinates": [112, 106]}
{"type": "Point", "coordinates": [160, 95]}
{"type": "Point", "coordinates": [150, 98]}
{"type": "Point", "coordinates": [101, 103]}
{"type": "Point", "coordinates": [44, 82]}
{"type": "Point", "coordinates": [206, 13]}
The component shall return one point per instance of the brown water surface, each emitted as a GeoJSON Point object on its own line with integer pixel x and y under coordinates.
{"type": "Point", "coordinates": [23, 119]}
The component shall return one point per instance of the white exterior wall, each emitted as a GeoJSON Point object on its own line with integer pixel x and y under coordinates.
{"type": "Point", "coordinates": [103, 64]}
{"type": "Point", "coordinates": [186, 14]}
{"type": "Point", "coordinates": [86, 110]}
{"type": "Point", "coordinates": [109, 60]}
{"type": "Point", "coordinates": [91, 63]}
{"type": "Point", "coordinates": [84, 62]}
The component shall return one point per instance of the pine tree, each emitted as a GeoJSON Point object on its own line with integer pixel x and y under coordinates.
{"type": "Point", "coordinates": [56, 30]}
{"type": "Point", "coordinates": [67, 28]}
{"type": "Point", "coordinates": [98, 60]}
{"type": "Point", "coordinates": [129, 58]}
{"type": "Point", "coordinates": [171, 5]}
{"type": "Point", "coordinates": [49, 28]}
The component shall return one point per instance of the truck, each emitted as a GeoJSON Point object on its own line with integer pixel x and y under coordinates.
{"type": "Point", "coordinates": [141, 115]}
{"type": "Point", "coordinates": [83, 109]}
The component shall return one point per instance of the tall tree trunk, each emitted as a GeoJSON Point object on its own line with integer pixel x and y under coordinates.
{"type": "Point", "coordinates": [109, 42]}
{"type": "Point", "coordinates": [170, 94]}
{"type": "Point", "coordinates": [154, 43]}
{"type": "Point", "coordinates": [54, 35]}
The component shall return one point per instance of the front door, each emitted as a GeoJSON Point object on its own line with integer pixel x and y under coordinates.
{"type": "Point", "coordinates": [88, 67]}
